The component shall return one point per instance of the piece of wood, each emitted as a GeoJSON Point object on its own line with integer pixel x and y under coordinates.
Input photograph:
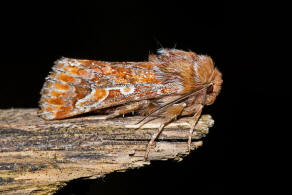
{"type": "Point", "coordinates": [39, 157]}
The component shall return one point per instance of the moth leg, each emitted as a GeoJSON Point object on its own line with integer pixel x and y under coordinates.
{"type": "Point", "coordinates": [170, 114]}
{"type": "Point", "coordinates": [193, 124]}
{"type": "Point", "coordinates": [128, 108]}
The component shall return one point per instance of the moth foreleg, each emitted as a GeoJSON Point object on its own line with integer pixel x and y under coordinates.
{"type": "Point", "coordinates": [194, 121]}
{"type": "Point", "coordinates": [170, 114]}
{"type": "Point", "coordinates": [127, 109]}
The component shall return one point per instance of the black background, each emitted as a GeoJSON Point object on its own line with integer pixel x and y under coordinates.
{"type": "Point", "coordinates": [239, 37]}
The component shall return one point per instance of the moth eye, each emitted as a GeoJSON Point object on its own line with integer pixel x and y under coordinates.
{"type": "Point", "coordinates": [210, 89]}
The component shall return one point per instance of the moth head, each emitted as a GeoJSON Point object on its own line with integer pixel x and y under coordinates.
{"type": "Point", "coordinates": [207, 74]}
{"type": "Point", "coordinates": [214, 87]}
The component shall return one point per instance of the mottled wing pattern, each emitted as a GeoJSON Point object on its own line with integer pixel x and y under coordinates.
{"type": "Point", "coordinates": [79, 86]}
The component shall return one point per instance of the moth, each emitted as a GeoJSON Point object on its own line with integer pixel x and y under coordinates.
{"type": "Point", "coordinates": [171, 84]}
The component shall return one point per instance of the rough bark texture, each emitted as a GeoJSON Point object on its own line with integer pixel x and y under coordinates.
{"type": "Point", "coordinates": [39, 157]}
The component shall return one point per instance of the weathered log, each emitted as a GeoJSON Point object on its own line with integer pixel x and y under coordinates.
{"type": "Point", "coordinates": [39, 157]}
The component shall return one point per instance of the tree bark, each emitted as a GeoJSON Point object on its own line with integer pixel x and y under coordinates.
{"type": "Point", "coordinates": [39, 157]}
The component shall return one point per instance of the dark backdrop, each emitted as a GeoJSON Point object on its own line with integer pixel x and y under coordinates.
{"type": "Point", "coordinates": [237, 37]}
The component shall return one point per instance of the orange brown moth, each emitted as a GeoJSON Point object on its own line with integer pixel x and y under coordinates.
{"type": "Point", "coordinates": [171, 84]}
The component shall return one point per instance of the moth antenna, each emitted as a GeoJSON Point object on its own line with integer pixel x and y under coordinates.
{"type": "Point", "coordinates": [144, 123]}
{"type": "Point", "coordinates": [175, 44]}
{"type": "Point", "coordinates": [158, 43]}
{"type": "Point", "coordinates": [174, 101]}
